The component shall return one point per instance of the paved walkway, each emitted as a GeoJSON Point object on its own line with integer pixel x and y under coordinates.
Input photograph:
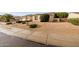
{"type": "Point", "coordinates": [59, 34]}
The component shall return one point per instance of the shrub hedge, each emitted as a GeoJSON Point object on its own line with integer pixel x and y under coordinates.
{"type": "Point", "coordinates": [33, 26]}
{"type": "Point", "coordinates": [8, 23]}
{"type": "Point", "coordinates": [61, 15]}
{"type": "Point", "coordinates": [74, 21]}
{"type": "Point", "coordinates": [44, 18]}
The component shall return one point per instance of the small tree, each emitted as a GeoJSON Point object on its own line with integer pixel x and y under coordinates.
{"type": "Point", "coordinates": [61, 15]}
{"type": "Point", "coordinates": [44, 18]}
{"type": "Point", "coordinates": [74, 21]}
{"type": "Point", "coordinates": [7, 17]}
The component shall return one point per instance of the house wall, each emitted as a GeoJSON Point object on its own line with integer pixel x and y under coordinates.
{"type": "Point", "coordinates": [51, 17]}
{"type": "Point", "coordinates": [73, 15]}
{"type": "Point", "coordinates": [17, 18]}
{"type": "Point", "coordinates": [36, 18]}
{"type": "Point", "coordinates": [29, 17]}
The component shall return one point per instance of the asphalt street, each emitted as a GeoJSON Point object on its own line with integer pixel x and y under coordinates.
{"type": "Point", "coordinates": [12, 41]}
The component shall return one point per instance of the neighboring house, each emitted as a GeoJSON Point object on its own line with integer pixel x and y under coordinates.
{"type": "Point", "coordinates": [73, 15]}
{"type": "Point", "coordinates": [18, 18]}
{"type": "Point", "coordinates": [36, 17]}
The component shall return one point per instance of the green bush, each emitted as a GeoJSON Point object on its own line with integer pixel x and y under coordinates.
{"type": "Point", "coordinates": [8, 23]}
{"type": "Point", "coordinates": [44, 18]}
{"type": "Point", "coordinates": [74, 21]}
{"type": "Point", "coordinates": [61, 15]}
{"type": "Point", "coordinates": [18, 21]}
{"type": "Point", "coordinates": [23, 22]}
{"type": "Point", "coordinates": [7, 17]}
{"type": "Point", "coordinates": [33, 26]}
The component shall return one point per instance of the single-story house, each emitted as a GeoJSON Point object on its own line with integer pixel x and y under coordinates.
{"type": "Point", "coordinates": [36, 17]}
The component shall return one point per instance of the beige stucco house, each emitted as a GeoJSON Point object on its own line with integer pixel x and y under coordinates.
{"type": "Point", "coordinates": [36, 17]}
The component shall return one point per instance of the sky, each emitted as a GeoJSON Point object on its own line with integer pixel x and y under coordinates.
{"type": "Point", "coordinates": [20, 13]}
